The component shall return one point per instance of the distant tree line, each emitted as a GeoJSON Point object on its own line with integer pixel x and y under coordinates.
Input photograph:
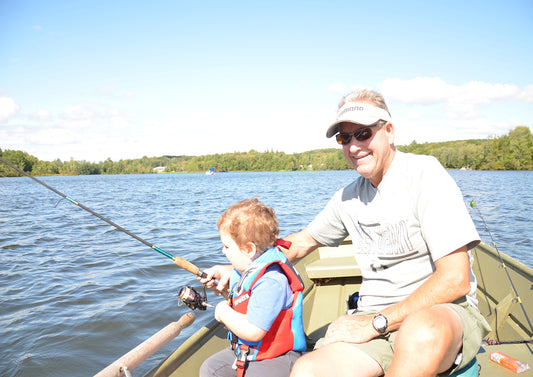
{"type": "Point", "coordinates": [509, 152]}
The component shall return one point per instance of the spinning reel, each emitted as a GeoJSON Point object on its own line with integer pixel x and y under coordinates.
{"type": "Point", "coordinates": [194, 300]}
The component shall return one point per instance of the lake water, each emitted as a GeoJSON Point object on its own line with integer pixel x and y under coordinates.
{"type": "Point", "coordinates": [76, 294]}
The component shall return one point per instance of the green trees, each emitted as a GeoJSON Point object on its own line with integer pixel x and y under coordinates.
{"type": "Point", "coordinates": [20, 159]}
{"type": "Point", "coordinates": [509, 152]}
{"type": "Point", "coordinates": [517, 149]}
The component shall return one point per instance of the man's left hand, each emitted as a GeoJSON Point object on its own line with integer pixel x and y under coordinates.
{"type": "Point", "coordinates": [350, 329]}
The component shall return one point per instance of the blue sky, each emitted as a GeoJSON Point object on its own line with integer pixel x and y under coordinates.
{"type": "Point", "coordinates": [92, 80]}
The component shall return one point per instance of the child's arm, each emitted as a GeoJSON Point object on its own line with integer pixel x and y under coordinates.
{"type": "Point", "coordinates": [237, 323]}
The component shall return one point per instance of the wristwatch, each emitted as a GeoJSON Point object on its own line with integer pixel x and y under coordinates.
{"type": "Point", "coordinates": [380, 324]}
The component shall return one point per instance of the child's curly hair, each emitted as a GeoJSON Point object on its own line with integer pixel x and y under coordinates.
{"type": "Point", "coordinates": [250, 221]}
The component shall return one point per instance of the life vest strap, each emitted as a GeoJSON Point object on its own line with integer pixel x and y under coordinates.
{"type": "Point", "coordinates": [283, 243]}
{"type": "Point", "coordinates": [242, 359]}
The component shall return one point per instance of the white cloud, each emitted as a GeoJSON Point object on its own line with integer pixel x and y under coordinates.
{"type": "Point", "coordinates": [413, 114]}
{"type": "Point", "coordinates": [421, 90]}
{"type": "Point", "coordinates": [481, 93]}
{"type": "Point", "coordinates": [527, 94]}
{"type": "Point", "coordinates": [473, 110]}
{"type": "Point", "coordinates": [425, 109]}
{"type": "Point", "coordinates": [118, 122]}
{"type": "Point", "coordinates": [77, 113]}
{"type": "Point", "coordinates": [476, 127]}
{"type": "Point", "coordinates": [91, 114]}
{"type": "Point", "coordinates": [106, 89]}
{"type": "Point", "coordinates": [41, 115]}
{"type": "Point", "coordinates": [456, 110]}
{"type": "Point", "coordinates": [8, 108]}
{"type": "Point", "coordinates": [433, 90]}
{"type": "Point", "coordinates": [112, 91]}
{"type": "Point", "coordinates": [51, 136]}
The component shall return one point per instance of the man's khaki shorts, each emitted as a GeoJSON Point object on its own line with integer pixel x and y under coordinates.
{"type": "Point", "coordinates": [475, 327]}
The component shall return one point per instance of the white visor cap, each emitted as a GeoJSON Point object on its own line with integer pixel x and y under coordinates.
{"type": "Point", "coordinates": [359, 113]}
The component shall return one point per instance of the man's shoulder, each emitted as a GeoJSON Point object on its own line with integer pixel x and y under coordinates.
{"type": "Point", "coordinates": [419, 166]}
{"type": "Point", "coordinates": [352, 188]}
{"type": "Point", "coordinates": [420, 160]}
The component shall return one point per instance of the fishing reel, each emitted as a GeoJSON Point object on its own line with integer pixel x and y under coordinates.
{"type": "Point", "coordinates": [194, 300]}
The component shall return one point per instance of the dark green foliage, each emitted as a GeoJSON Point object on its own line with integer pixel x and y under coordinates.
{"type": "Point", "coordinates": [509, 152]}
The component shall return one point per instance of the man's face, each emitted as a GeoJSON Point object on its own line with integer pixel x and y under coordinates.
{"type": "Point", "coordinates": [372, 157]}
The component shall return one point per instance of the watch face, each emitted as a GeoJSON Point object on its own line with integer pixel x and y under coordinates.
{"type": "Point", "coordinates": [380, 323]}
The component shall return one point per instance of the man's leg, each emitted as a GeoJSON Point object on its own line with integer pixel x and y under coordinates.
{"type": "Point", "coordinates": [428, 343]}
{"type": "Point", "coordinates": [336, 359]}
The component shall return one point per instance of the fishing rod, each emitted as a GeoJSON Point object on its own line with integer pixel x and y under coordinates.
{"type": "Point", "coordinates": [492, 342]}
{"type": "Point", "coordinates": [517, 297]}
{"type": "Point", "coordinates": [180, 262]}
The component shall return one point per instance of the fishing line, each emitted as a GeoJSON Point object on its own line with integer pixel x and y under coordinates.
{"type": "Point", "coordinates": [180, 262]}
{"type": "Point", "coordinates": [517, 297]}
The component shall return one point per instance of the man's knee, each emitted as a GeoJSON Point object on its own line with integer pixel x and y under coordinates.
{"type": "Point", "coordinates": [302, 367]}
{"type": "Point", "coordinates": [336, 359]}
{"type": "Point", "coordinates": [431, 327]}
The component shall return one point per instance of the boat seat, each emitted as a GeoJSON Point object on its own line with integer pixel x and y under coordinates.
{"type": "Point", "coordinates": [325, 268]}
{"type": "Point", "coordinates": [470, 370]}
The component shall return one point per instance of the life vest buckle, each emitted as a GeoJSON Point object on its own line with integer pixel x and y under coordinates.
{"type": "Point", "coordinates": [242, 359]}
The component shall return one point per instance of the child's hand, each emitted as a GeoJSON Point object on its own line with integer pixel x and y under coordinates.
{"type": "Point", "coordinates": [218, 279]}
{"type": "Point", "coordinates": [221, 310]}
{"type": "Point", "coordinates": [238, 323]}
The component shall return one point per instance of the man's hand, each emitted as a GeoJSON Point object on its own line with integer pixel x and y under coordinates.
{"type": "Point", "coordinates": [351, 329]}
{"type": "Point", "coordinates": [302, 243]}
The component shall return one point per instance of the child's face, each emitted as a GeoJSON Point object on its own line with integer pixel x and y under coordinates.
{"type": "Point", "coordinates": [239, 257]}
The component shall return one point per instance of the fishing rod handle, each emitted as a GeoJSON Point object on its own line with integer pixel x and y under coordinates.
{"type": "Point", "coordinates": [186, 265]}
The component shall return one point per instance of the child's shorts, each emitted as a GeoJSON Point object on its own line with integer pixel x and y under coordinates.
{"type": "Point", "coordinates": [221, 365]}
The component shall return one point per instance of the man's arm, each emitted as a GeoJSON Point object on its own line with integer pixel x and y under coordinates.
{"type": "Point", "coordinates": [302, 244]}
{"type": "Point", "coordinates": [450, 281]}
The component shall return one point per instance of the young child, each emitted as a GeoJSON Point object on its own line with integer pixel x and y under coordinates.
{"type": "Point", "coordinates": [264, 310]}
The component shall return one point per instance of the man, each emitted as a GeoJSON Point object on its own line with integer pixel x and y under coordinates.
{"type": "Point", "coordinates": [417, 313]}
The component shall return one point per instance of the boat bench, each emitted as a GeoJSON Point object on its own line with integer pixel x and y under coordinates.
{"type": "Point", "coordinates": [333, 267]}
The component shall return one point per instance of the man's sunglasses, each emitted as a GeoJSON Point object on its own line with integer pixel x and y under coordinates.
{"type": "Point", "coordinates": [361, 134]}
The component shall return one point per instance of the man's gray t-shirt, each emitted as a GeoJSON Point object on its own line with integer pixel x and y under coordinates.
{"type": "Point", "coordinates": [414, 217]}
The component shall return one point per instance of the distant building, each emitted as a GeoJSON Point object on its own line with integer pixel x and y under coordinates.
{"type": "Point", "coordinates": [159, 169]}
